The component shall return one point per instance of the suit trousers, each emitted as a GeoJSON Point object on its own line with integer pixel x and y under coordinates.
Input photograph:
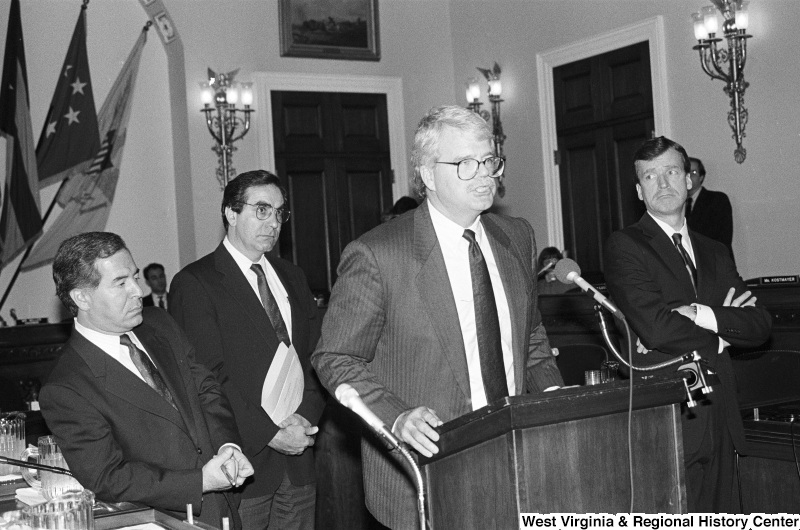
{"type": "Point", "coordinates": [290, 507]}
{"type": "Point", "coordinates": [711, 482]}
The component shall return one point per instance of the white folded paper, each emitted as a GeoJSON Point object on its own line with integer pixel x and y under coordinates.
{"type": "Point", "coordinates": [283, 387]}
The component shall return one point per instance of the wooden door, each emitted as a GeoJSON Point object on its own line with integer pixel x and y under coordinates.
{"type": "Point", "coordinates": [604, 110]}
{"type": "Point", "coordinates": [332, 152]}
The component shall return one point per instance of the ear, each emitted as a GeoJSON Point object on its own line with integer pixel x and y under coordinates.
{"type": "Point", "coordinates": [639, 191]}
{"type": "Point", "coordinates": [688, 182]}
{"type": "Point", "coordinates": [82, 298]}
{"type": "Point", "coordinates": [230, 215]}
{"type": "Point", "coordinates": [427, 177]}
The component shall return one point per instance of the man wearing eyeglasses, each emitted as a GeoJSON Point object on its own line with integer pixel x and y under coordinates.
{"type": "Point", "coordinates": [708, 212]}
{"type": "Point", "coordinates": [434, 313]}
{"type": "Point", "coordinates": [253, 321]}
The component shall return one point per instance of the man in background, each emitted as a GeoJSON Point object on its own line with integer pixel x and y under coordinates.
{"type": "Point", "coordinates": [136, 418]}
{"type": "Point", "coordinates": [708, 212]}
{"type": "Point", "coordinates": [680, 292]}
{"type": "Point", "coordinates": [434, 313]}
{"type": "Point", "coordinates": [156, 280]}
{"type": "Point", "coordinates": [253, 321]}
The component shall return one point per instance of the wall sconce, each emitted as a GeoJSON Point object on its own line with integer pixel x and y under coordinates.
{"type": "Point", "coordinates": [495, 90]}
{"type": "Point", "coordinates": [224, 119]}
{"type": "Point", "coordinates": [713, 60]}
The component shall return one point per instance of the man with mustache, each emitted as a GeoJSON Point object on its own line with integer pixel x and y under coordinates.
{"type": "Point", "coordinates": [253, 322]}
{"type": "Point", "coordinates": [680, 292]}
{"type": "Point", "coordinates": [434, 313]}
{"type": "Point", "coordinates": [136, 417]}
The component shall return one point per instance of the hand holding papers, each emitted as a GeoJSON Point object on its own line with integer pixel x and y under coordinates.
{"type": "Point", "coordinates": [283, 387]}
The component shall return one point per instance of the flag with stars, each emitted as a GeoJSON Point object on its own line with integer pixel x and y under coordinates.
{"type": "Point", "coordinates": [20, 218]}
{"type": "Point", "coordinates": [70, 137]}
{"type": "Point", "coordinates": [86, 197]}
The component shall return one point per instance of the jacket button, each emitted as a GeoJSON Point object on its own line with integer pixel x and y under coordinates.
{"type": "Point", "coordinates": [199, 451]}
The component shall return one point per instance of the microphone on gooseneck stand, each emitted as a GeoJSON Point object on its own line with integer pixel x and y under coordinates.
{"type": "Point", "coordinates": [348, 396]}
{"type": "Point", "coordinates": [567, 271]}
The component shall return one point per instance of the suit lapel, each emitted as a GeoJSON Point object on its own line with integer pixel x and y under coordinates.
{"type": "Point", "coordinates": [243, 295]}
{"type": "Point", "coordinates": [665, 251]}
{"type": "Point", "coordinates": [705, 267]}
{"type": "Point", "coordinates": [513, 276]}
{"type": "Point", "coordinates": [432, 282]}
{"type": "Point", "coordinates": [119, 381]}
{"type": "Point", "coordinates": [294, 302]}
{"type": "Point", "coordinates": [162, 357]}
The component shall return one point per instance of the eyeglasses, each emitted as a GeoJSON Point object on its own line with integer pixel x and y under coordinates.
{"type": "Point", "coordinates": [264, 211]}
{"type": "Point", "coordinates": [467, 169]}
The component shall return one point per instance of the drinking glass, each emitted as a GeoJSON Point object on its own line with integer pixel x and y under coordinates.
{"type": "Point", "coordinates": [12, 439]}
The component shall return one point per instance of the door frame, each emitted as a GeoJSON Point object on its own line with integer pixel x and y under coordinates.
{"type": "Point", "coordinates": [651, 30]}
{"type": "Point", "coordinates": [266, 82]}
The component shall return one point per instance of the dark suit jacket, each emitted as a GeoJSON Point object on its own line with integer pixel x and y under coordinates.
{"type": "Point", "coordinates": [225, 321]}
{"type": "Point", "coordinates": [647, 278]}
{"type": "Point", "coordinates": [125, 442]}
{"type": "Point", "coordinates": [712, 216]}
{"type": "Point", "coordinates": [392, 332]}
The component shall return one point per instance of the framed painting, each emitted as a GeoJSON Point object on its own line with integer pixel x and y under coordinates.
{"type": "Point", "coordinates": [332, 29]}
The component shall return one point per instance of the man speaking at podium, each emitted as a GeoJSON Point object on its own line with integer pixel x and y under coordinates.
{"type": "Point", "coordinates": [435, 313]}
{"type": "Point", "coordinates": [680, 292]}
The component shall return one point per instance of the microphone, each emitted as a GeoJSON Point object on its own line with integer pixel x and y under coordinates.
{"type": "Point", "coordinates": [567, 271]}
{"type": "Point", "coordinates": [348, 396]}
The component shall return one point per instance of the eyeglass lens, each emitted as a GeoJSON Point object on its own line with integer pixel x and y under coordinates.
{"type": "Point", "coordinates": [468, 168]}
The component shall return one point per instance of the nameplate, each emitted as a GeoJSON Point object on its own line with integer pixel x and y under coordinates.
{"type": "Point", "coordinates": [779, 280]}
{"type": "Point", "coordinates": [24, 321]}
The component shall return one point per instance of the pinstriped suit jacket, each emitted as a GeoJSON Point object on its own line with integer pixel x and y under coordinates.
{"type": "Point", "coordinates": [392, 332]}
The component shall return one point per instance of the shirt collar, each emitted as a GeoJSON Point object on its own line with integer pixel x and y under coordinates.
{"type": "Point", "coordinates": [451, 231]}
{"type": "Point", "coordinates": [104, 341]}
{"type": "Point", "coordinates": [684, 231]}
{"type": "Point", "coordinates": [241, 260]}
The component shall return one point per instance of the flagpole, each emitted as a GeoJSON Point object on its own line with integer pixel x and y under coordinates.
{"type": "Point", "coordinates": [30, 247]}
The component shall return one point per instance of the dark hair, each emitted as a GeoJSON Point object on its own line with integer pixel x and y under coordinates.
{"type": "Point", "coordinates": [74, 265]}
{"type": "Point", "coordinates": [655, 147]}
{"type": "Point", "coordinates": [548, 253]}
{"type": "Point", "coordinates": [701, 169]}
{"type": "Point", "coordinates": [235, 192]}
{"type": "Point", "coordinates": [151, 267]}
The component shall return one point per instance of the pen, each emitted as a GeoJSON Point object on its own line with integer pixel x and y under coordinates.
{"type": "Point", "coordinates": [228, 475]}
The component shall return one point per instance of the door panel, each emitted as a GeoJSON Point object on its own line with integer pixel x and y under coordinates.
{"type": "Point", "coordinates": [332, 151]}
{"type": "Point", "coordinates": [604, 111]}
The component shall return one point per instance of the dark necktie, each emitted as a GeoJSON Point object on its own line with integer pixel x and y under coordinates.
{"type": "Point", "coordinates": [270, 305]}
{"type": "Point", "coordinates": [676, 238]}
{"type": "Point", "coordinates": [161, 302]}
{"type": "Point", "coordinates": [688, 206]}
{"type": "Point", "coordinates": [487, 325]}
{"type": "Point", "coordinates": [148, 370]}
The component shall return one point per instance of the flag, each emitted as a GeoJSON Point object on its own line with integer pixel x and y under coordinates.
{"type": "Point", "coordinates": [86, 197]}
{"type": "Point", "coordinates": [70, 137]}
{"type": "Point", "coordinates": [20, 219]}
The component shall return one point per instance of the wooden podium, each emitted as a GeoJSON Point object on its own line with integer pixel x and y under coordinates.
{"type": "Point", "coordinates": [561, 451]}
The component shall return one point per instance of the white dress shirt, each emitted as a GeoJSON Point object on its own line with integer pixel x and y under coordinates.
{"type": "Point", "coordinates": [455, 250]}
{"type": "Point", "coordinates": [275, 285]}
{"type": "Point", "coordinates": [705, 318]}
{"type": "Point", "coordinates": [111, 346]}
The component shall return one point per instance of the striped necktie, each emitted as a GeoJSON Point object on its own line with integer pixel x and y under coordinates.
{"type": "Point", "coordinates": [687, 260]}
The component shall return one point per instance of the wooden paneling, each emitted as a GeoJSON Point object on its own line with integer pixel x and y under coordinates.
{"type": "Point", "coordinates": [333, 151]}
{"type": "Point", "coordinates": [604, 111]}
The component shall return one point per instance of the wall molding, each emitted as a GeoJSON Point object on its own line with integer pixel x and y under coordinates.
{"type": "Point", "coordinates": [266, 82]}
{"type": "Point", "coordinates": [650, 30]}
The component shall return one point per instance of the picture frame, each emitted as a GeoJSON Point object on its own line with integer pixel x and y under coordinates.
{"type": "Point", "coordinates": [344, 29]}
